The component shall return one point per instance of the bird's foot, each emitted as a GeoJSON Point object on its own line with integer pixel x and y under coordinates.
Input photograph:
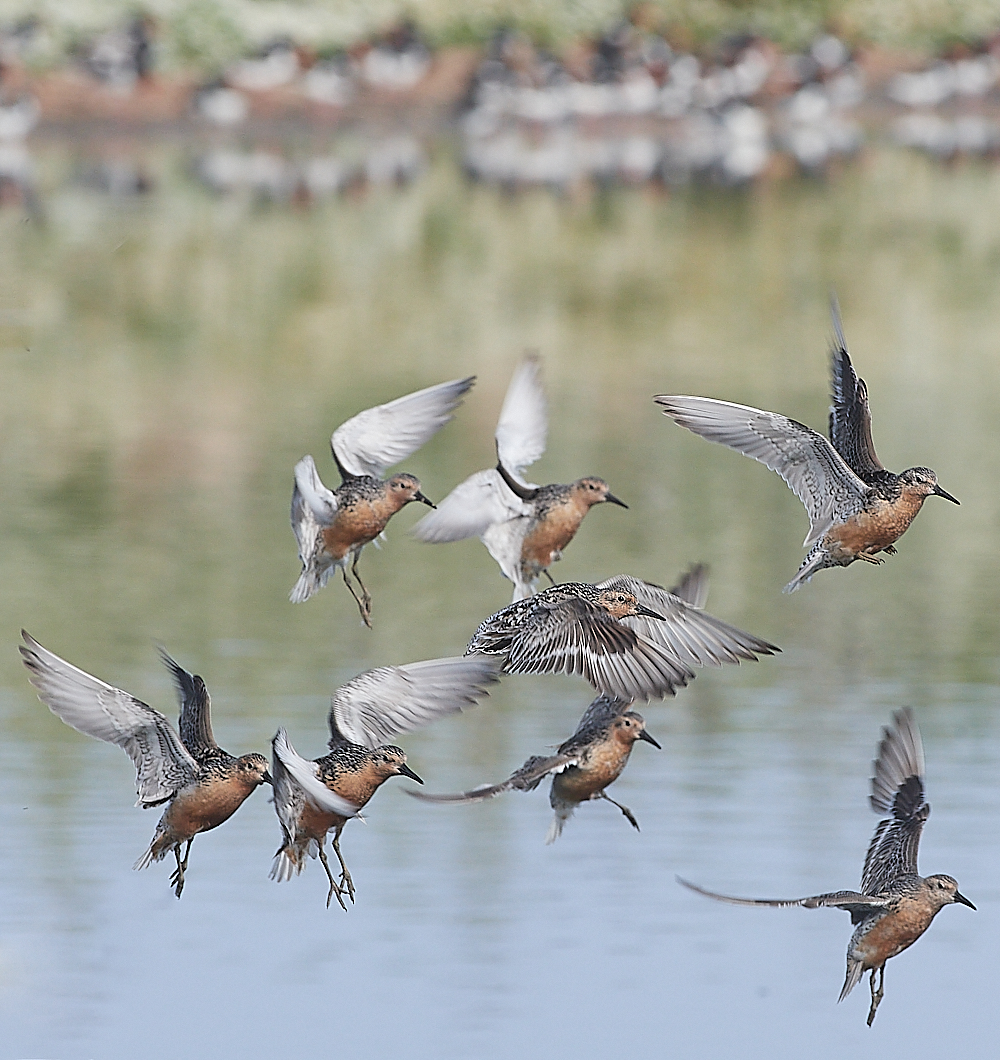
{"type": "Point", "coordinates": [889, 550]}
{"type": "Point", "coordinates": [346, 886]}
{"type": "Point", "coordinates": [869, 558]}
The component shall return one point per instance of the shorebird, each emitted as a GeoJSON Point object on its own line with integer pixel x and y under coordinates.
{"type": "Point", "coordinates": [202, 784]}
{"type": "Point", "coordinates": [895, 905]}
{"type": "Point", "coordinates": [311, 797]}
{"type": "Point", "coordinates": [525, 527]}
{"type": "Point", "coordinates": [629, 638]}
{"type": "Point", "coordinates": [583, 766]}
{"type": "Point", "coordinates": [333, 526]}
{"type": "Point", "coordinates": [856, 507]}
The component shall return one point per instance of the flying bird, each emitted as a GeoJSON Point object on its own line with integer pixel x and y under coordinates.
{"type": "Point", "coordinates": [202, 785]}
{"type": "Point", "coordinates": [333, 526]}
{"type": "Point", "coordinates": [856, 507]}
{"type": "Point", "coordinates": [582, 768]}
{"type": "Point", "coordinates": [525, 527]}
{"type": "Point", "coordinates": [895, 905]}
{"type": "Point", "coordinates": [312, 797]}
{"type": "Point", "coordinates": [629, 638]}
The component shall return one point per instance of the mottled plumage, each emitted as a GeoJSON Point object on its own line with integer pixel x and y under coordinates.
{"type": "Point", "coordinates": [525, 527]}
{"type": "Point", "coordinates": [895, 905]}
{"type": "Point", "coordinates": [333, 526]}
{"type": "Point", "coordinates": [203, 784]}
{"type": "Point", "coordinates": [856, 507]}
{"type": "Point", "coordinates": [311, 797]}
{"type": "Point", "coordinates": [582, 768]}
{"type": "Point", "coordinates": [629, 638]}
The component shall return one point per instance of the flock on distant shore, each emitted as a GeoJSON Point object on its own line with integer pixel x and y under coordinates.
{"type": "Point", "coordinates": [630, 639]}
{"type": "Point", "coordinates": [633, 106]}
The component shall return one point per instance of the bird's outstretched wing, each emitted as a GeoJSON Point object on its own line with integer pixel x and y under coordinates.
{"type": "Point", "coordinates": [374, 440]}
{"type": "Point", "coordinates": [689, 634]}
{"type": "Point", "coordinates": [162, 764]}
{"type": "Point", "coordinates": [572, 636]}
{"type": "Point", "coordinates": [527, 778]}
{"type": "Point", "coordinates": [524, 420]}
{"type": "Point", "coordinates": [852, 901]}
{"type": "Point", "coordinates": [196, 709]}
{"type": "Point", "coordinates": [814, 471]}
{"type": "Point", "coordinates": [850, 416]}
{"type": "Point", "coordinates": [897, 786]}
{"type": "Point", "coordinates": [373, 707]}
{"type": "Point", "coordinates": [471, 509]}
{"type": "Point", "coordinates": [294, 770]}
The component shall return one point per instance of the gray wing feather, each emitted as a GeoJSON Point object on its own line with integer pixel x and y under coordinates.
{"type": "Point", "coordinates": [693, 586]}
{"type": "Point", "coordinates": [196, 708]}
{"type": "Point", "coordinates": [527, 778]}
{"type": "Point", "coordinates": [688, 633]}
{"type": "Point", "coordinates": [852, 901]}
{"type": "Point", "coordinates": [850, 416]}
{"type": "Point", "coordinates": [811, 467]}
{"type": "Point", "coordinates": [376, 705]}
{"type": "Point", "coordinates": [162, 764]}
{"type": "Point", "coordinates": [897, 786]}
{"type": "Point", "coordinates": [471, 509]}
{"type": "Point", "coordinates": [574, 637]}
{"type": "Point", "coordinates": [288, 796]}
{"type": "Point", "coordinates": [599, 714]}
{"type": "Point", "coordinates": [371, 442]}
{"type": "Point", "coordinates": [304, 774]}
{"type": "Point", "coordinates": [524, 421]}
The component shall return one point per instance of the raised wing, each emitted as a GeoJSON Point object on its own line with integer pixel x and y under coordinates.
{"type": "Point", "coordinates": [527, 778]}
{"type": "Point", "coordinates": [693, 586]}
{"type": "Point", "coordinates": [524, 419]}
{"type": "Point", "coordinates": [162, 765]}
{"type": "Point", "coordinates": [600, 713]}
{"type": "Point", "coordinates": [298, 771]}
{"type": "Point", "coordinates": [850, 416]}
{"type": "Point", "coordinates": [852, 901]}
{"type": "Point", "coordinates": [374, 440]}
{"type": "Point", "coordinates": [898, 785]}
{"type": "Point", "coordinates": [691, 635]}
{"type": "Point", "coordinates": [196, 709]}
{"type": "Point", "coordinates": [471, 509]}
{"type": "Point", "coordinates": [391, 699]}
{"type": "Point", "coordinates": [572, 636]}
{"type": "Point", "coordinates": [809, 464]}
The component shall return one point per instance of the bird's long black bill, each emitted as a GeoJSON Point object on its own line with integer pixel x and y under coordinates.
{"type": "Point", "coordinates": [267, 778]}
{"type": "Point", "coordinates": [938, 492]}
{"type": "Point", "coordinates": [418, 496]}
{"type": "Point", "coordinates": [612, 499]}
{"type": "Point", "coordinates": [643, 735]}
{"type": "Point", "coordinates": [405, 771]}
{"type": "Point", "coordinates": [649, 614]}
{"type": "Point", "coordinates": [959, 897]}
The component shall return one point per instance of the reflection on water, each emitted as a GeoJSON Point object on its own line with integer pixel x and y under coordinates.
{"type": "Point", "coordinates": [165, 362]}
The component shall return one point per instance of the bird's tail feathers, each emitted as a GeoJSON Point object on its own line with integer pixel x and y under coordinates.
{"type": "Point", "coordinates": [816, 560]}
{"type": "Point", "coordinates": [855, 970]}
{"type": "Point", "coordinates": [562, 814]}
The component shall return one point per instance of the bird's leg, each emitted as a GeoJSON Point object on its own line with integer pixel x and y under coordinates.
{"type": "Point", "coordinates": [624, 809]}
{"type": "Point", "coordinates": [357, 599]}
{"type": "Point", "coordinates": [545, 571]}
{"type": "Point", "coordinates": [889, 550]}
{"type": "Point", "coordinates": [177, 877]}
{"type": "Point", "coordinates": [346, 883]}
{"type": "Point", "coordinates": [366, 599]}
{"type": "Point", "coordinates": [876, 994]}
{"type": "Point", "coordinates": [869, 558]}
{"type": "Point", "coordinates": [334, 889]}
